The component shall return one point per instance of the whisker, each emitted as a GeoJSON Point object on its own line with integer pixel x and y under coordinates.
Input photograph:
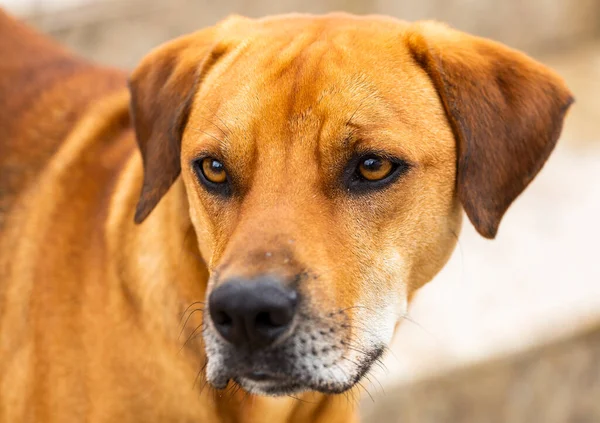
{"type": "Point", "coordinates": [187, 319]}
{"type": "Point", "coordinates": [378, 361]}
{"type": "Point", "coordinates": [234, 390]}
{"type": "Point", "coordinates": [351, 361]}
{"type": "Point", "coordinates": [217, 116]}
{"type": "Point", "coordinates": [223, 122]}
{"type": "Point", "coordinates": [199, 334]}
{"type": "Point", "coordinates": [217, 126]}
{"type": "Point", "coordinates": [366, 390]}
{"type": "Point", "coordinates": [201, 325]}
{"type": "Point", "coordinates": [190, 306]}
{"type": "Point", "coordinates": [199, 373]}
{"type": "Point", "coordinates": [245, 398]}
{"type": "Point", "coordinates": [355, 400]}
{"type": "Point", "coordinates": [357, 109]}
{"type": "Point", "coordinates": [207, 134]}
{"type": "Point", "coordinates": [366, 376]}
{"type": "Point", "coordinates": [301, 400]}
{"type": "Point", "coordinates": [414, 322]}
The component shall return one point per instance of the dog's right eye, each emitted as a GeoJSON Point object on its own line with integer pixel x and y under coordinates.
{"type": "Point", "coordinates": [214, 171]}
{"type": "Point", "coordinates": [211, 172]}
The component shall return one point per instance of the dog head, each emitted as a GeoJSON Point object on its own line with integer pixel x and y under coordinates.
{"type": "Point", "coordinates": [327, 161]}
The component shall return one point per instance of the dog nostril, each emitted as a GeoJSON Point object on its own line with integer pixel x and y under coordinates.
{"type": "Point", "coordinates": [263, 319]}
{"type": "Point", "coordinates": [273, 319]}
{"type": "Point", "coordinates": [222, 318]}
{"type": "Point", "coordinates": [280, 317]}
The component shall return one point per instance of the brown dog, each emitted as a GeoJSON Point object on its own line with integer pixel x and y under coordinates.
{"type": "Point", "coordinates": [302, 176]}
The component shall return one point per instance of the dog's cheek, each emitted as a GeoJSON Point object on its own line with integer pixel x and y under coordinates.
{"type": "Point", "coordinates": [202, 223]}
{"type": "Point", "coordinates": [204, 235]}
{"type": "Point", "coordinates": [385, 298]}
{"type": "Point", "coordinates": [438, 237]}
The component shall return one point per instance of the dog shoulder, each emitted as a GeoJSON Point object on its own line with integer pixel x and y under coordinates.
{"type": "Point", "coordinates": [45, 90]}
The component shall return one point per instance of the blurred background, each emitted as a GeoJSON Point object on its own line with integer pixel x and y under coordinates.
{"type": "Point", "coordinates": [510, 329]}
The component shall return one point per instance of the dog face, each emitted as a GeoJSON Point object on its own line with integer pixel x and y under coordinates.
{"type": "Point", "coordinates": [325, 162]}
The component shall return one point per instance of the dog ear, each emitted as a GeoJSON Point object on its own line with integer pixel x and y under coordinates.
{"type": "Point", "coordinates": [506, 111]}
{"type": "Point", "coordinates": [162, 92]}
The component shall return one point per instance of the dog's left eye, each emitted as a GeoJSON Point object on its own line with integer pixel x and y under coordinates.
{"type": "Point", "coordinates": [375, 168]}
{"type": "Point", "coordinates": [372, 171]}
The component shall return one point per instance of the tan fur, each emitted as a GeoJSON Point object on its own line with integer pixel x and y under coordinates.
{"type": "Point", "coordinates": [91, 304]}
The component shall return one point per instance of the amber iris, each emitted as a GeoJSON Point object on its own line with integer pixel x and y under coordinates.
{"type": "Point", "coordinates": [375, 168]}
{"type": "Point", "coordinates": [214, 171]}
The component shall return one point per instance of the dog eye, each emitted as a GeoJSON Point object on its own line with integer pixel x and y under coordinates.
{"type": "Point", "coordinates": [214, 171]}
{"type": "Point", "coordinates": [375, 168]}
{"type": "Point", "coordinates": [212, 174]}
{"type": "Point", "coordinates": [371, 172]}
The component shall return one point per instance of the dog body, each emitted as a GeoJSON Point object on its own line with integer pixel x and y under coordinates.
{"type": "Point", "coordinates": [92, 304]}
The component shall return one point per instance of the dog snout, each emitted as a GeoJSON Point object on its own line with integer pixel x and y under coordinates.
{"type": "Point", "coordinates": [253, 313]}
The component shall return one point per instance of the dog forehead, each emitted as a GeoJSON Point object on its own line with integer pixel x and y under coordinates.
{"type": "Point", "coordinates": [299, 42]}
{"type": "Point", "coordinates": [308, 78]}
{"type": "Point", "coordinates": [293, 23]}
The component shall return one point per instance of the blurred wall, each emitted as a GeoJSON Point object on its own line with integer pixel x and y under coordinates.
{"type": "Point", "coordinates": [96, 27]}
{"type": "Point", "coordinates": [554, 383]}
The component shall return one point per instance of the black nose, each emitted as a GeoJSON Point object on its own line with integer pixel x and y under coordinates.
{"type": "Point", "coordinates": [252, 313]}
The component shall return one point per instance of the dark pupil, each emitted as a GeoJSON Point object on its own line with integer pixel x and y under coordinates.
{"type": "Point", "coordinates": [216, 166]}
{"type": "Point", "coordinates": [372, 164]}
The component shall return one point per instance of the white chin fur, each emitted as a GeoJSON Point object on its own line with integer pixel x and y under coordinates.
{"type": "Point", "coordinates": [266, 388]}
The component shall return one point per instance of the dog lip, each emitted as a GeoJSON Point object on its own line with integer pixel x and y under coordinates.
{"type": "Point", "coordinates": [270, 387]}
{"type": "Point", "coordinates": [262, 376]}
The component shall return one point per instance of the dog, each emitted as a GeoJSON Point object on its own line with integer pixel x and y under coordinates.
{"type": "Point", "coordinates": [233, 232]}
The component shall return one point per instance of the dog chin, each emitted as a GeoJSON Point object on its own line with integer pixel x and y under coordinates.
{"type": "Point", "coordinates": [270, 388]}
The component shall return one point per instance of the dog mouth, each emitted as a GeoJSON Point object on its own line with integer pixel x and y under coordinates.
{"type": "Point", "coordinates": [292, 368]}
{"type": "Point", "coordinates": [333, 382]}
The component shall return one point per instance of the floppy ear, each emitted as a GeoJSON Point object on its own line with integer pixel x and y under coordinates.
{"type": "Point", "coordinates": [506, 111]}
{"type": "Point", "coordinates": [162, 91]}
